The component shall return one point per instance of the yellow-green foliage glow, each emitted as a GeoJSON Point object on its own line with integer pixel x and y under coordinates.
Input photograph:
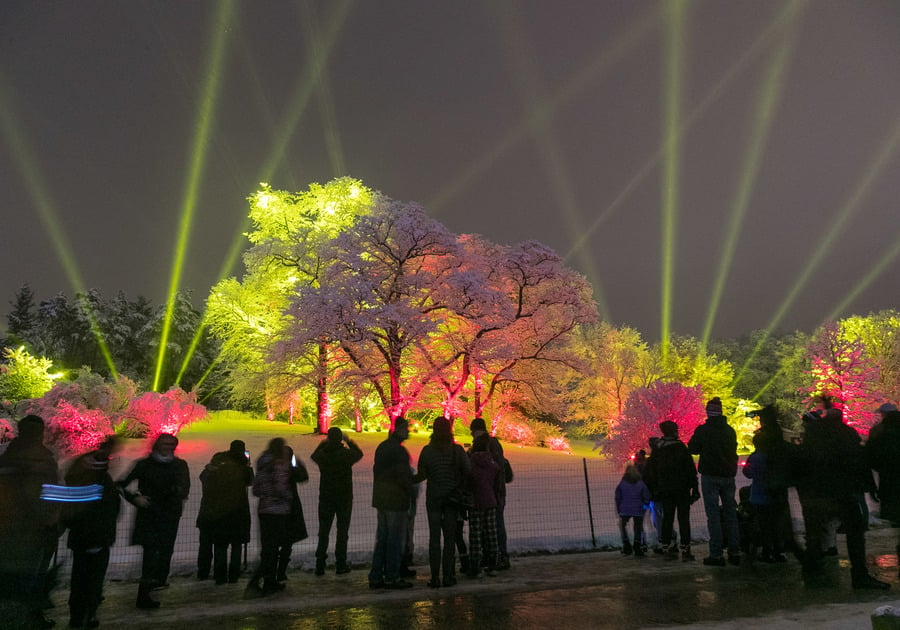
{"type": "Point", "coordinates": [195, 172]}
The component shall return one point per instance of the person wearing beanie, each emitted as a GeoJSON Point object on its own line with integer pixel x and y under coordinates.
{"type": "Point", "coordinates": [224, 517]}
{"type": "Point", "coordinates": [392, 493]}
{"type": "Point", "coordinates": [478, 427]}
{"type": "Point", "coordinates": [716, 444]}
{"type": "Point", "coordinates": [444, 466]}
{"type": "Point", "coordinates": [335, 456]}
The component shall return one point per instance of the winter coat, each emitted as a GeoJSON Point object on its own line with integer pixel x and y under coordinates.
{"type": "Point", "coordinates": [276, 486]}
{"type": "Point", "coordinates": [225, 507]}
{"type": "Point", "coordinates": [335, 462]}
{"type": "Point", "coordinates": [883, 451]}
{"type": "Point", "coordinates": [716, 443]}
{"type": "Point", "coordinates": [832, 462]}
{"type": "Point", "coordinates": [392, 487]}
{"type": "Point", "coordinates": [756, 469]}
{"type": "Point", "coordinates": [632, 497]}
{"type": "Point", "coordinates": [92, 524]}
{"type": "Point", "coordinates": [446, 468]}
{"type": "Point", "coordinates": [670, 471]}
{"type": "Point", "coordinates": [485, 473]}
{"type": "Point", "coordinates": [166, 485]}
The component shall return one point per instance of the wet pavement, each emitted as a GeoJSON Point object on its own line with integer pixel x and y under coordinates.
{"type": "Point", "coordinates": [584, 590]}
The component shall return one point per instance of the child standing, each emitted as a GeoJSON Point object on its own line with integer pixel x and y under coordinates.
{"type": "Point", "coordinates": [632, 498]}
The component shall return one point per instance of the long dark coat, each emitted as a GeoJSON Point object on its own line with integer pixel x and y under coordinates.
{"type": "Point", "coordinates": [167, 485]}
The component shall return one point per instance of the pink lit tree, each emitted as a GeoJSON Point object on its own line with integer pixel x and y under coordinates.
{"type": "Point", "coordinates": [393, 276]}
{"type": "Point", "coordinates": [842, 371]}
{"type": "Point", "coordinates": [646, 408]}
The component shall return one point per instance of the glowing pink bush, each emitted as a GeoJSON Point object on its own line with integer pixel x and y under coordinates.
{"type": "Point", "coordinates": [72, 430]}
{"type": "Point", "coordinates": [151, 414]}
{"type": "Point", "coordinates": [6, 430]}
{"type": "Point", "coordinates": [645, 408]}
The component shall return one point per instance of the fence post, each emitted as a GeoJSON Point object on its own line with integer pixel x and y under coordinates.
{"type": "Point", "coordinates": [587, 487]}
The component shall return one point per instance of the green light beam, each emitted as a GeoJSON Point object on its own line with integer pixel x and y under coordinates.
{"type": "Point", "coordinates": [305, 90]}
{"type": "Point", "coordinates": [37, 189]}
{"type": "Point", "coordinates": [873, 171]}
{"type": "Point", "coordinates": [766, 106]}
{"type": "Point", "coordinates": [318, 53]}
{"type": "Point", "coordinates": [885, 259]}
{"type": "Point", "coordinates": [710, 97]}
{"type": "Point", "coordinates": [600, 64]}
{"type": "Point", "coordinates": [673, 77]}
{"type": "Point", "coordinates": [195, 171]}
{"type": "Point", "coordinates": [526, 78]}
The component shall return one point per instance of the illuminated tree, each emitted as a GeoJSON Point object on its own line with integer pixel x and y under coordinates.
{"type": "Point", "coordinates": [394, 276]}
{"type": "Point", "coordinates": [287, 241]}
{"type": "Point", "coordinates": [24, 376]}
{"type": "Point", "coordinates": [842, 371]}
{"type": "Point", "coordinates": [688, 362]}
{"type": "Point", "coordinates": [646, 408]}
{"type": "Point", "coordinates": [880, 335]}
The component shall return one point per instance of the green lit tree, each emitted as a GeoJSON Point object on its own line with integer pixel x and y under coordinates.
{"type": "Point", "coordinates": [24, 376]}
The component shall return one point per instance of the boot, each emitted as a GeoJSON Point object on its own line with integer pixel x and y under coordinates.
{"type": "Point", "coordinates": [144, 601]}
{"type": "Point", "coordinates": [281, 571]}
{"type": "Point", "coordinates": [474, 568]}
{"type": "Point", "coordinates": [320, 566]}
{"type": "Point", "coordinates": [686, 555]}
{"type": "Point", "coordinates": [626, 548]}
{"type": "Point", "coordinates": [464, 563]}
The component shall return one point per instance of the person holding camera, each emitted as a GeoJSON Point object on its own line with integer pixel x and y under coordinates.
{"type": "Point", "coordinates": [335, 461]}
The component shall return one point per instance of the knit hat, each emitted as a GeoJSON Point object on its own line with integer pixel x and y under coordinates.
{"type": "Point", "coordinates": [714, 407]}
{"type": "Point", "coordinates": [478, 424]}
{"type": "Point", "coordinates": [887, 407]}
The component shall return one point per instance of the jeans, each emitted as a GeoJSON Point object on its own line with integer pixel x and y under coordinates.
{"type": "Point", "coordinates": [390, 542]}
{"type": "Point", "coordinates": [637, 525]}
{"type": "Point", "coordinates": [716, 489]}
{"type": "Point", "coordinates": [442, 557]}
{"type": "Point", "coordinates": [328, 511]}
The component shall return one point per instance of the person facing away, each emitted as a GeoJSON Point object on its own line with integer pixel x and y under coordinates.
{"type": "Point", "coordinates": [224, 517]}
{"type": "Point", "coordinates": [833, 473]}
{"type": "Point", "coordinates": [29, 527]}
{"type": "Point", "coordinates": [92, 531]}
{"type": "Point", "coordinates": [444, 466]}
{"type": "Point", "coordinates": [882, 451]}
{"type": "Point", "coordinates": [280, 515]}
{"type": "Point", "coordinates": [392, 492]}
{"type": "Point", "coordinates": [672, 478]}
{"type": "Point", "coordinates": [632, 498]}
{"type": "Point", "coordinates": [163, 484]}
{"type": "Point", "coordinates": [716, 444]}
{"type": "Point", "coordinates": [478, 427]}
{"type": "Point", "coordinates": [335, 461]}
{"type": "Point", "coordinates": [486, 483]}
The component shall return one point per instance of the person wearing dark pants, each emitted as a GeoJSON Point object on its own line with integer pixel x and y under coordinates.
{"type": "Point", "coordinates": [163, 485]}
{"type": "Point", "coordinates": [92, 531]}
{"type": "Point", "coordinates": [335, 462]}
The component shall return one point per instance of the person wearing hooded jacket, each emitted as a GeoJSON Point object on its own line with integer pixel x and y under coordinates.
{"type": "Point", "coordinates": [164, 483]}
{"type": "Point", "coordinates": [672, 479]}
{"type": "Point", "coordinates": [716, 444]}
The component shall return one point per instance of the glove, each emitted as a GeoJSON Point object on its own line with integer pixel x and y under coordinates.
{"type": "Point", "coordinates": [695, 495]}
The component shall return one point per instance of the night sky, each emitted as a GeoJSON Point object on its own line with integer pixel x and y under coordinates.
{"type": "Point", "coordinates": [768, 131]}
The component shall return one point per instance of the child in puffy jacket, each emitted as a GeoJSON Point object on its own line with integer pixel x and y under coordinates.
{"type": "Point", "coordinates": [632, 499]}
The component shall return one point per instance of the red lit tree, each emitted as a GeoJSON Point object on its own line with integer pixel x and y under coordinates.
{"type": "Point", "coordinates": [842, 371]}
{"type": "Point", "coordinates": [646, 407]}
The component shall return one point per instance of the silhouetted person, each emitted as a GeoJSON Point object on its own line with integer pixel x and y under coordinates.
{"type": "Point", "coordinates": [716, 443]}
{"type": "Point", "coordinates": [883, 451]}
{"type": "Point", "coordinates": [29, 527]}
{"type": "Point", "coordinates": [335, 462]}
{"type": "Point", "coordinates": [833, 473]}
{"type": "Point", "coordinates": [163, 484]}
{"type": "Point", "coordinates": [280, 512]}
{"type": "Point", "coordinates": [478, 427]}
{"type": "Point", "coordinates": [224, 517]}
{"type": "Point", "coordinates": [672, 478]}
{"type": "Point", "coordinates": [92, 531]}
{"type": "Point", "coordinates": [445, 467]}
{"type": "Point", "coordinates": [486, 482]}
{"type": "Point", "coordinates": [392, 492]}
